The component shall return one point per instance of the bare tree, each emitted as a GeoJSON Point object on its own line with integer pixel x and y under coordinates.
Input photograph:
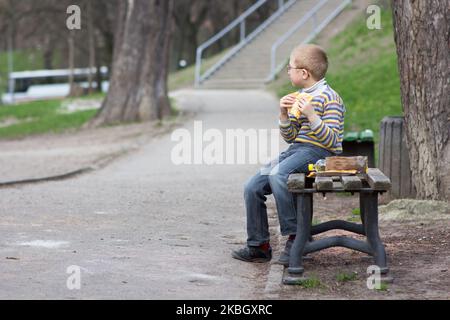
{"type": "Point", "coordinates": [91, 41]}
{"type": "Point", "coordinates": [189, 16]}
{"type": "Point", "coordinates": [422, 33]}
{"type": "Point", "coordinates": [138, 83]}
{"type": "Point", "coordinates": [71, 79]}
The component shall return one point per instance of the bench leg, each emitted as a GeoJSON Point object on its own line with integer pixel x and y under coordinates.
{"type": "Point", "coordinates": [362, 208]}
{"type": "Point", "coordinates": [304, 214]}
{"type": "Point", "coordinates": [370, 212]}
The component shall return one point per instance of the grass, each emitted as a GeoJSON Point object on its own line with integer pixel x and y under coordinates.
{"type": "Point", "coordinates": [49, 116]}
{"type": "Point", "coordinates": [39, 117]}
{"type": "Point", "coordinates": [346, 276]}
{"type": "Point", "coordinates": [356, 211]}
{"type": "Point", "coordinates": [53, 124]}
{"type": "Point", "coordinates": [355, 216]}
{"type": "Point", "coordinates": [35, 109]}
{"type": "Point", "coordinates": [310, 283]}
{"type": "Point", "coordinates": [363, 70]}
{"type": "Point", "coordinates": [383, 287]}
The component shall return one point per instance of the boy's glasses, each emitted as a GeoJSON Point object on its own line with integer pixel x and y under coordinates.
{"type": "Point", "coordinates": [289, 68]}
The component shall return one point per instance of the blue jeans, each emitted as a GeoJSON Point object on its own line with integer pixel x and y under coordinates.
{"type": "Point", "coordinates": [272, 178]}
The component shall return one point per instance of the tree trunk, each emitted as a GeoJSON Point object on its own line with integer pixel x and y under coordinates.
{"type": "Point", "coordinates": [91, 47]}
{"type": "Point", "coordinates": [191, 44]}
{"type": "Point", "coordinates": [422, 33]}
{"type": "Point", "coordinates": [70, 39]}
{"type": "Point", "coordinates": [138, 82]}
{"type": "Point", "coordinates": [49, 51]}
{"type": "Point", "coordinates": [98, 74]}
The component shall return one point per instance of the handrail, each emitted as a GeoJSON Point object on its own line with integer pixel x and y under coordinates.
{"type": "Point", "coordinates": [274, 69]}
{"type": "Point", "coordinates": [220, 34]}
{"type": "Point", "coordinates": [243, 40]}
{"type": "Point", "coordinates": [242, 44]}
{"type": "Point", "coordinates": [233, 24]}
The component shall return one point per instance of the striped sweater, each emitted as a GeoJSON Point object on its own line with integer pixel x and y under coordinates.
{"type": "Point", "coordinates": [327, 132]}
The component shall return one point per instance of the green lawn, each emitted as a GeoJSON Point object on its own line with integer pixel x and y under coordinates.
{"type": "Point", "coordinates": [40, 117]}
{"type": "Point", "coordinates": [363, 70]}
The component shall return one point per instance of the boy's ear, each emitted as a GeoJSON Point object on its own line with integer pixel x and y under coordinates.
{"type": "Point", "coordinates": [305, 74]}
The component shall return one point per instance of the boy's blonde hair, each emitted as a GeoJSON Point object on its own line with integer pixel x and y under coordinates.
{"type": "Point", "coordinates": [312, 58]}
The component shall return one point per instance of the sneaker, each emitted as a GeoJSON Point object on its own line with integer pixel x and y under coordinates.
{"type": "Point", "coordinates": [252, 254]}
{"type": "Point", "coordinates": [284, 257]}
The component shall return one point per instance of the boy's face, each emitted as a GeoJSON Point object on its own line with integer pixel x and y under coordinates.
{"type": "Point", "coordinates": [297, 74]}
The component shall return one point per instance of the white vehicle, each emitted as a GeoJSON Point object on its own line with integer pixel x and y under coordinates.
{"type": "Point", "coordinates": [48, 84]}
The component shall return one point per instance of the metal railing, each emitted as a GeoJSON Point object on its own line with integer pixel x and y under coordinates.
{"type": "Point", "coordinates": [244, 40]}
{"type": "Point", "coordinates": [274, 68]}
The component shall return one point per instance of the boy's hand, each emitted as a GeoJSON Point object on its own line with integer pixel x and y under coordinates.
{"type": "Point", "coordinates": [306, 108]}
{"type": "Point", "coordinates": [286, 102]}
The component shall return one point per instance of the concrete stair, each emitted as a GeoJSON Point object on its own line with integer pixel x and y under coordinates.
{"type": "Point", "coordinates": [250, 67]}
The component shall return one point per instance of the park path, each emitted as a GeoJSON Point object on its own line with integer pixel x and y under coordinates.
{"type": "Point", "coordinates": [141, 227]}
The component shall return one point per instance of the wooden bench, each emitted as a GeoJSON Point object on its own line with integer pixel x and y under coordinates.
{"type": "Point", "coordinates": [368, 186]}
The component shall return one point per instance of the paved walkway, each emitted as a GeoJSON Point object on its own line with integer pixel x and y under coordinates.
{"type": "Point", "coordinates": [141, 227]}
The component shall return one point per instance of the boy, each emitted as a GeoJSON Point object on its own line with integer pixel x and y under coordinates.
{"type": "Point", "coordinates": [314, 130]}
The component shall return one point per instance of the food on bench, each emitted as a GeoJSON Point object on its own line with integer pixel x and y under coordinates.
{"type": "Point", "coordinates": [331, 173]}
{"type": "Point", "coordinates": [338, 166]}
{"type": "Point", "coordinates": [318, 166]}
{"type": "Point", "coordinates": [358, 163]}
{"type": "Point", "coordinates": [295, 110]}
